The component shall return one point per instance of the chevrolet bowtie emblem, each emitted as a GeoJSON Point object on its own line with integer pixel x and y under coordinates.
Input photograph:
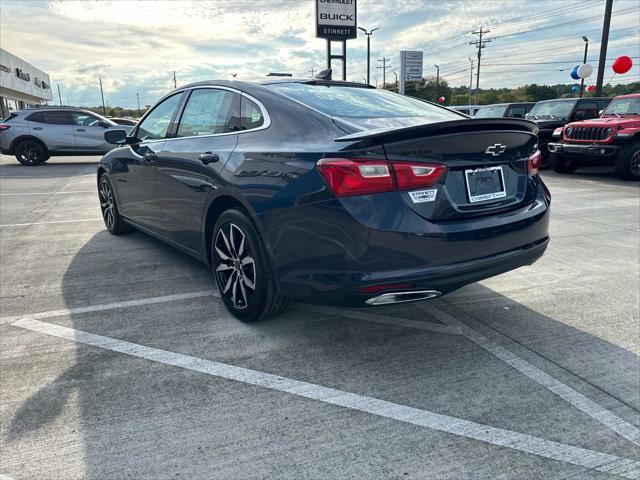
{"type": "Point", "coordinates": [496, 149]}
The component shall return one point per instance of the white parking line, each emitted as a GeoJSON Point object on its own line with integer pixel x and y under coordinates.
{"type": "Point", "coordinates": [46, 193]}
{"type": "Point", "coordinates": [5, 477]}
{"type": "Point", "coordinates": [582, 457]}
{"type": "Point", "coordinates": [582, 403]}
{"type": "Point", "coordinates": [6, 225]}
{"type": "Point", "coordinates": [110, 306]}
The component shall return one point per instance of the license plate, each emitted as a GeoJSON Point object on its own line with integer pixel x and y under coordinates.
{"type": "Point", "coordinates": [485, 184]}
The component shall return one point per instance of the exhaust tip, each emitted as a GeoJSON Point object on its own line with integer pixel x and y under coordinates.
{"type": "Point", "coordinates": [402, 297]}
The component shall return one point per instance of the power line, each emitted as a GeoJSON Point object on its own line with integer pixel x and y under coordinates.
{"type": "Point", "coordinates": [547, 14]}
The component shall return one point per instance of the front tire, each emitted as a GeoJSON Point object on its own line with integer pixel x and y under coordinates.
{"type": "Point", "coordinates": [562, 164]}
{"type": "Point", "coordinates": [628, 162]}
{"type": "Point", "coordinates": [242, 270]}
{"type": "Point", "coordinates": [31, 153]}
{"type": "Point", "coordinates": [109, 207]}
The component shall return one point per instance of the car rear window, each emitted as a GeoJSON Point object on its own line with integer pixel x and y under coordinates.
{"type": "Point", "coordinates": [358, 102]}
{"type": "Point", "coordinates": [9, 118]}
{"type": "Point", "coordinates": [493, 111]}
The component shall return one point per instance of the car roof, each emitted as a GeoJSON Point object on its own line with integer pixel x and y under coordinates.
{"type": "Point", "coordinates": [270, 81]}
{"type": "Point", "coordinates": [46, 108]}
{"type": "Point", "coordinates": [573, 99]}
{"type": "Point", "coordinates": [629, 95]}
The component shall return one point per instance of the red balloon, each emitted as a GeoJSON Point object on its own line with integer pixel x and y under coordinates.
{"type": "Point", "coordinates": [441, 99]}
{"type": "Point", "coordinates": [622, 64]}
{"type": "Point", "coordinates": [589, 88]}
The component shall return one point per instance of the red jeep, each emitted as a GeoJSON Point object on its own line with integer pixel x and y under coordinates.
{"type": "Point", "coordinates": [612, 138]}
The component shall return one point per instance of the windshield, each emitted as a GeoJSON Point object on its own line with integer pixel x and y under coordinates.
{"type": "Point", "coordinates": [491, 111]}
{"type": "Point", "coordinates": [557, 109]}
{"type": "Point", "coordinates": [358, 102]}
{"type": "Point", "coordinates": [624, 106]}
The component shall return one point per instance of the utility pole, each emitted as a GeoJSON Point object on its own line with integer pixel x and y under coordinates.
{"type": "Point", "coordinates": [603, 46]}
{"type": "Point", "coordinates": [104, 110]}
{"type": "Point", "coordinates": [396, 74]}
{"type": "Point", "coordinates": [368, 34]}
{"type": "Point", "coordinates": [138, 98]}
{"type": "Point", "coordinates": [586, 48]}
{"type": "Point", "coordinates": [470, 79]}
{"type": "Point", "coordinates": [480, 44]}
{"type": "Point", "coordinates": [59, 96]}
{"type": "Point", "coordinates": [175, 84]}
{"type": "Point", "coordinates": [384, 61]}
{"type": "Point", "coordinates": [312, 71]}
{"type": "Point", "coordinates": [437, 81]}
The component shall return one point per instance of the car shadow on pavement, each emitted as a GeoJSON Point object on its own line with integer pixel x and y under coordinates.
{"type": "Point", "coordinates": [140, 419]}
{"type": "Point", "coordinates": [60, 169]}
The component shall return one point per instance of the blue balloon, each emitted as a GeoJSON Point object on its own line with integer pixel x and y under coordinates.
{"type": "Point", "coordinates": [575, 89]}
{"type": "Point", "coordinates": [574, 73]}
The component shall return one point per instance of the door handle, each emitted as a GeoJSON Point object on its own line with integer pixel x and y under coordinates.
{"type": "Point", "coordinates": [150, 158]}
{"type": "Point", "coordinates": [80, 130]}
{"type": "Point", "coordinates": [208, 157]}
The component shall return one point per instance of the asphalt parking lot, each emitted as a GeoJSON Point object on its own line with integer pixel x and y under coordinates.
{"type": "Point", "coordinates": [119, 361]}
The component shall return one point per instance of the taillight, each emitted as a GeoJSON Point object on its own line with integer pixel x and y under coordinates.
{"type": "Point", "coordinates": [4, 126]}
{"type": "Point", "coordinates": [417, 175]}
{"type": "Point", "coordinates": [533, 163]}
{"type": "Point", "coordinates": [347, 177]}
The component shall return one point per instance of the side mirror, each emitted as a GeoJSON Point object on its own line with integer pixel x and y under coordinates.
{"type": "Point", "coordinates": [600, 112]}
{"type": "Point", "coordinates": [116, 137]}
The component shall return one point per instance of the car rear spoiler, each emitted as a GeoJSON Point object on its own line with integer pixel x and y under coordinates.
{"type": "Point", "coordinates": [440, 128]}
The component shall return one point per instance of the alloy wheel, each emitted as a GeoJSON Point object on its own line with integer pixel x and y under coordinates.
{"type": "Point", "coordinates": [635, 163]}
{"type": "Point", "coordinates": [107, 203]}
{"type": "Point", "coordinates": [30, 153]}
{"type": "Point", "coordinates": [236, 269]}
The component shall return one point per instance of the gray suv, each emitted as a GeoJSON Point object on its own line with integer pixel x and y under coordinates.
{"type": "Point", "coordinates": [34, 135]}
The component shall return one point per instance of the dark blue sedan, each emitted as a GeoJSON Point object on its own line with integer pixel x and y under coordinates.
{"type": "Point", "coordinates": [327, 192]}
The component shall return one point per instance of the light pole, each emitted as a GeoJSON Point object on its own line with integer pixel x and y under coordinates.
{"type": "Point", "coordinates": [437, 80]}
{"type": "Point", "coordinates": [138, 98]}
{"type": "Point", "coordinates": [396, 81]}
{"type": "Point", "coordinates": [104, 110]}
{"type": "Point", "coordinates": [586, 48]}
{"type": "Point", "coordinates": [368, 34]}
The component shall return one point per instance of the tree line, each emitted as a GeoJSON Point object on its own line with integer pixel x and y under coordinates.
{"type": "Point", "coordinates": [428, 90]}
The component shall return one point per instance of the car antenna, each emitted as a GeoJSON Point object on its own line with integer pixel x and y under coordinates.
{"type": "Point", "coordinates": [323, 74]}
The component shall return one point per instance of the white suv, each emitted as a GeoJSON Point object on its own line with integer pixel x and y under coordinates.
{"type": "Point", "coordinates": [34, 135]}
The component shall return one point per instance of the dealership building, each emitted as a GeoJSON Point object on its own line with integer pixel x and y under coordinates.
{"type": "Point", "coordinates": [21, 84]}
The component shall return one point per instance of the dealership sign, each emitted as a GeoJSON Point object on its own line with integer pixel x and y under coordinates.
{"type": "Point", "coordinates": [336, 19]}
{"type": "Point", "coordinates": [410, 67]}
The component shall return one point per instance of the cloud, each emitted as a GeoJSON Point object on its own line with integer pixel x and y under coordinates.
{"type": "Point", "coordinates": [135, 46]}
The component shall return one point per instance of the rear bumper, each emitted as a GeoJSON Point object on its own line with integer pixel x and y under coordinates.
{"type": "Point", "coordinates": [591, 150]}
{"type": "Point", "coordinates": [326, 256]}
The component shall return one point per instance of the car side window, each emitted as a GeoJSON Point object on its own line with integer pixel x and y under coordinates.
{"type": "Point", "coordinates": [36, 117]}
{"type": "Point", "coordinates": [517, 111]}
{"type": "Point", "coordinates": [58, 118]}
{"type": "Point", "coordinates": [84, 119]}
{"type": "Point", "coordinates": [156, 125]}
{"type": "Point", "coordinates": [207, 112]}
{"type": "Point", "coordinates": [586, 110]}
{"type": "Point", "coordinates": [250, 115]}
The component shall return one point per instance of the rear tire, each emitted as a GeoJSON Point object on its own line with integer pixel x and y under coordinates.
{"type": "Point", "coordinates": [242, 270]}
{"type": "Point", "coordinates": [31, 153]}
{"type": "Point", "coordinates": [109, 207]}
{"type": "Point", "coordinates": [628, 162]}
{"type": "Point", "coordinates": [562, 164]}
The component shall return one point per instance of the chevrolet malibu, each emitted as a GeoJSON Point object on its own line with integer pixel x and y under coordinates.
{"type": "Point", "coordinates": [327, 192]}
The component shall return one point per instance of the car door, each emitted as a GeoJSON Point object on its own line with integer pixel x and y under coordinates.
{"type": "Point", "coordinates": [135, 176]}
{"type": "Point", "coordinates": [54, 128]}
{"type": "Point", "coordinates": [89, 133]}
{"type": "Point", "coordinates": [189, 164]}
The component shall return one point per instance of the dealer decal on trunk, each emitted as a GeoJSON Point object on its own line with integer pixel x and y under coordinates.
{"type": "Point", "coordinates": [421, 196]}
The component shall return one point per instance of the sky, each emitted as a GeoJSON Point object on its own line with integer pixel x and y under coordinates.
{"type": "Point", "coordinates": [136, 45]}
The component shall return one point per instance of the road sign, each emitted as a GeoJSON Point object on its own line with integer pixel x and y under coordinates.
{"type": "Point", "coordinates": [410, 67]}
{"type": "Point", "coordinates": [336, 19]}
